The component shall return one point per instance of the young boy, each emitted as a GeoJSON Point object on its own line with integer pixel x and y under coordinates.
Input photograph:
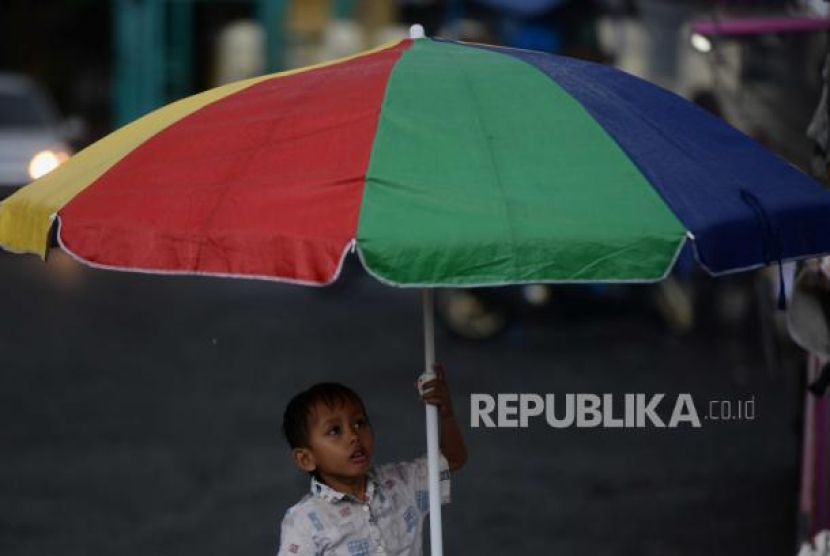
{"type": "Point", "coordinates": [355, 509]}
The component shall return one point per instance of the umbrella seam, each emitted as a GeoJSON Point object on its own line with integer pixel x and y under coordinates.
{"type": "Point", "coordinates": [249, 155]}
{"type": "Point", "coordinates": [691, 154]}
{"type": "Point", "coordinates": [184, 102]}
{"type": "Point", "coordinates": [607, 91]}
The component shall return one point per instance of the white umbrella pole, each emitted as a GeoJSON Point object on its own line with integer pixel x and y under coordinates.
{"type": "Point", "coordinates": [435, 537]}
{"type": "Point", "coordinates": [434, 467]}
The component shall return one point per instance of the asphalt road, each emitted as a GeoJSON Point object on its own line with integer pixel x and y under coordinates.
{"type": "Point", "coordinates": [139, 415]}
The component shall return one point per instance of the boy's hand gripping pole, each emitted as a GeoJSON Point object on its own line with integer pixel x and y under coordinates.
{"type": "Point", "coordinates": [434, 470]}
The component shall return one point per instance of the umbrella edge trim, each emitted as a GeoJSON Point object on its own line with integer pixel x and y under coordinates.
{"type": "Point", "coordinates": [99, 266]}
{"type": "Point", "coordinates": [728, 271]}
{"type": "Point", "coordinates": [388, 282]}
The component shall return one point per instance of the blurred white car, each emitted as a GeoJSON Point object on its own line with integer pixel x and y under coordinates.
{"type": "Point", "coordinates": [33, 138]}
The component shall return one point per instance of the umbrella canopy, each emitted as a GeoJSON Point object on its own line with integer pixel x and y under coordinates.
{"type": "Point", "coordinates": [442, 163]}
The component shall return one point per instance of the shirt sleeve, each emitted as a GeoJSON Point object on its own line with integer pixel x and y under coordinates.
{"type": "Point", "coordinates": [418, 474]}
{"type": "Point", "coordinates": [295, 539]}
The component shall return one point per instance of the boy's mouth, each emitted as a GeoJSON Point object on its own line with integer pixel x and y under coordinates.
{"type": "Point", "coordinates": [359, 455]}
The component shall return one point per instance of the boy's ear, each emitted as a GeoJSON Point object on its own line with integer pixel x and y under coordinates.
{"type": "Point", "coordinates": [304, 459]}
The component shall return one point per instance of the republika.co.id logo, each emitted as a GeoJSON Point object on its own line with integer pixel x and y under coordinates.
{"type": "Point", "coordinates": [602, 411]}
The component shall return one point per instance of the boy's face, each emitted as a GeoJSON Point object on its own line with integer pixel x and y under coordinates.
{"type": "Point", "coordinates": [340, 444]}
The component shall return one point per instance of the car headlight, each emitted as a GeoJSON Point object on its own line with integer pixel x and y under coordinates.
{"type": "Point", "coordinates": [46, 161]}
{"type": "Point", "coordinates": [701, 43]}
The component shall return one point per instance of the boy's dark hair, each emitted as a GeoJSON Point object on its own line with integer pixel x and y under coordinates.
{"type": "Point", "coordinates": [298, 410]}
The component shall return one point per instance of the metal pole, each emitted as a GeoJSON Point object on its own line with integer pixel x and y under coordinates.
{"type": "Point", "coordinates": [152, 64]}
{"type": "Point", "coordinates": [180, 66]}
{"type": "Point", "coordinates": [435, 535]}
{"type": "Point", "coordinates": [271, 14]}
{"type": "Point", "coordinates": [126, 25]}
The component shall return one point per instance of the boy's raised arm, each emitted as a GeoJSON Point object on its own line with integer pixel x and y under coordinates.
{"type": "Point", "coordinates": [437, 393]}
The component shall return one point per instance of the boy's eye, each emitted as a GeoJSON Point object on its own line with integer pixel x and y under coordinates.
{"type": "Point", "coordinates": [334, 430]}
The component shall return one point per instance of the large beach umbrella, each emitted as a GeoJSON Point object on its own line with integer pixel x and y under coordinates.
{"type": "Point", "coordinates": [441, 164]}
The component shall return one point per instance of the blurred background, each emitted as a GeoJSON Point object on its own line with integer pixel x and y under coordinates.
{"type": "Point", "coordinates": [140, 414]}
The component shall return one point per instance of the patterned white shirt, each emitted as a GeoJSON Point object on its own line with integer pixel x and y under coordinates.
{"type": "Point", "coordinates": [327, 522]}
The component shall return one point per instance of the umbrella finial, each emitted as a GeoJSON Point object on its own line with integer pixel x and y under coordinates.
{"type": "Point", "coordinates": [417, 31]}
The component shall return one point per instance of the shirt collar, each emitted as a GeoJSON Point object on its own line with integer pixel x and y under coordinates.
{"type": "Point", "coordinates": [324, 491]}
